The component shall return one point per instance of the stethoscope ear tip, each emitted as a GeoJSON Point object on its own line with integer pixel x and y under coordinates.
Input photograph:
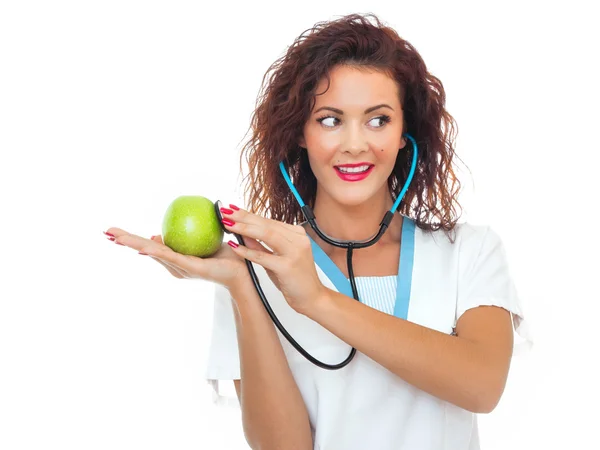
{"type": "Point", "coordinates": [218, 205]}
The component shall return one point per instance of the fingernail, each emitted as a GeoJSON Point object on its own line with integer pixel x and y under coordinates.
{"type": "Point", "coordinates": [111, 239]}
{"type": "Point", "coordinates": [234, 207]}
{"type": "Point", "coordinates": [140, 253]}
{"type": "Point", "coordinates": [108, 234]}
{"type": "Point", "coordinates": [232, 244]}
{"type": "Point", "coordinates": [226, 211]}
{"type": "Point", "coordinates": [152, 237]}
{"type": "Point", "coordinates": [228, 222]}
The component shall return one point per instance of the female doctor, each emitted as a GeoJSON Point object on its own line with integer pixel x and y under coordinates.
{"type": "Point", "coordinates": [433, 326]}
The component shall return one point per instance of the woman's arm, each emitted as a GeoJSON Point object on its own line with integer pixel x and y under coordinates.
{"type": "Point", "coordinates": [274, 415]}
{"type": "Point", "coordinates": [468, 370]}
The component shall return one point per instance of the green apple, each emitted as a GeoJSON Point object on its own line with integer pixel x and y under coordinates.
{"type": "Point", "coordinates": [191, 226]}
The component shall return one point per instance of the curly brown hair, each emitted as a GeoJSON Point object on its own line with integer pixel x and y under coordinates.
{"type": "Point", "coordinates": [286, 100]}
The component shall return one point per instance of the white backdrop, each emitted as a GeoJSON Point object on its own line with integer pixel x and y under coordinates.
{"type": "Point", "coordinates": [109, 110]}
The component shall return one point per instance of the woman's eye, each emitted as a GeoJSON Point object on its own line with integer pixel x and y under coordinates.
{"type": "Point", "coordinates": [323, 119]}
{"type": "Point", "coordinates": [384, 119]}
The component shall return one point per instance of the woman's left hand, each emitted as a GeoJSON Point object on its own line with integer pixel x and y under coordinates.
{"type": "Point", "coordinates": [290, 265]}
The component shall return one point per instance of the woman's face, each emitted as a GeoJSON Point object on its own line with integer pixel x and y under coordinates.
{"type": "Point", "coordinates": [351, 135]}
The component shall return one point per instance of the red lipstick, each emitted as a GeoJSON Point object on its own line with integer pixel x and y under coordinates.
{"type": "Point", "coordinates": [354, 176]}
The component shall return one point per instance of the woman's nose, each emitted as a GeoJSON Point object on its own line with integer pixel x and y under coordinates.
{"type": "Point", "coordinates": [356, 140]}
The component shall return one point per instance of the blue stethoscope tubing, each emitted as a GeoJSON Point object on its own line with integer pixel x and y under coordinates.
{"type": "Point", "coordinates": [350, 245]}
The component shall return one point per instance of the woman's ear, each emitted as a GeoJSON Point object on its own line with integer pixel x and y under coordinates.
{"type": "Point", "coordinates": [301, 142]}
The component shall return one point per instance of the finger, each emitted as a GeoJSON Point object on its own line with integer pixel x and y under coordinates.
{"type": "Point", "coordinates": [177, 272]}
{"type": "Point", "coordinates": [278, 239]}
{"type": "Point", "coordinates": [134, 241]}
{"type": "Point", "coordinates": [157, 238]}
{"type": "Point", "coordinates": [137, 242]}
{"type": "Point", "coordinates": [171, 270]}
{"type": "Point", "coordinates": [115, 232]}
{"type": "Point", "coordinates": [253, 244]}
{"type": "Point", "coordinates": [275, 234]}
{"type": "Point", "coordinates": [182, 263]}
{"type": "Point", "coordinates": [242, 215]}
{"type": "Point", "coordinates": [295, 228]}
{"type": "Point", "coordinates": [266, 259]}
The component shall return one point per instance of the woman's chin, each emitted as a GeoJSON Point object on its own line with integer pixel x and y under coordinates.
{"type": "Point", "coordinates": [348, 200]}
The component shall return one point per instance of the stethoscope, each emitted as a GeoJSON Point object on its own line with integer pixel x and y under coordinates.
{"type": "Point", "coordinates": [350, 245]}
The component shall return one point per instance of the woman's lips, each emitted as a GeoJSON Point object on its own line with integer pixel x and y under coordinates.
{"type": "Point", "coordinates": [353, 176]}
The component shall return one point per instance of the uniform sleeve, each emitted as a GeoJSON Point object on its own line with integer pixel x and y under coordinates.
{"type": "Point", "coordinates": [485, 279]}
{"type": "Point", "coordinates": [223, 361]}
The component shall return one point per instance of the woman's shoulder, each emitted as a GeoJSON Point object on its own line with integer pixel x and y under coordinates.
{"type": "Point", "coordinates": [463, 234]}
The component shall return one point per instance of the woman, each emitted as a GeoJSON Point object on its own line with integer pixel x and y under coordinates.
{"type": "Point", "coordinates": [432, 328]}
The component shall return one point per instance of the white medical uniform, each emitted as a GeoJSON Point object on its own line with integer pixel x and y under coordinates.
{"type": "Point", "coordinates": [364, 405]}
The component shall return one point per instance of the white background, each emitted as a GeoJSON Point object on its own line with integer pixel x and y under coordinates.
{"type": "Point", "coordinates": [109, 110]}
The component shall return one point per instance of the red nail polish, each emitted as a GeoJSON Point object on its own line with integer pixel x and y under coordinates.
{"type": "Point", "coordinates": [232, 244]}
{"type": "Point", "coordinates": [111, 239]}
{"type": "Point", "coordinates": [226, 211]}
{"type": "Point", "coordinates": [228, 222]}
{"type": "Point", "coordinates": [234, 207]}
{"type": "Point", "coordinates": [108, 234]}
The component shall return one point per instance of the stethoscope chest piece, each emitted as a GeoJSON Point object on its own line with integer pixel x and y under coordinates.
{"type": "Point", "coordinates": [218, 206]}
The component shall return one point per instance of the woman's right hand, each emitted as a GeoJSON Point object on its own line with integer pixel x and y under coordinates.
{"type": "Point", "coordinates": [224, 267]}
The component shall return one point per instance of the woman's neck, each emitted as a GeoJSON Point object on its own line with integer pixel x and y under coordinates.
{"type": "Point", "coordinates": [356, 223]}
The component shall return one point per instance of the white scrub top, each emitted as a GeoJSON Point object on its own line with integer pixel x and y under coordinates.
{"type": "Point", "coordinates": [364, 405]}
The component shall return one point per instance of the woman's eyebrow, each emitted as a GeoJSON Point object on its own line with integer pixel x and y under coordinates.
{"type": "Point", "coordinates": [341, 113]}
